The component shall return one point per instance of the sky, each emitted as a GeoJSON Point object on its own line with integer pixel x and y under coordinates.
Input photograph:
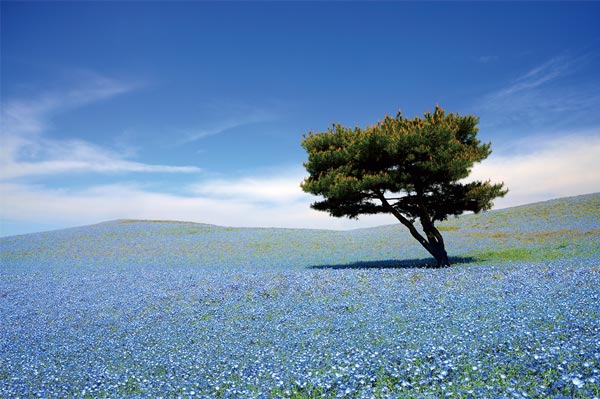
{"type": "Point", "coordinates": [195, 111]}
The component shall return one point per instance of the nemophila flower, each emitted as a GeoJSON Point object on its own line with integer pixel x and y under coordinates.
{"type": "Point", "coordinates": [577, 382]}
{"type": "Point", "coordinates": [151, 310]}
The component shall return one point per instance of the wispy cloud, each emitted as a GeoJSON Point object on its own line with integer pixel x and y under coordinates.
{"type": "Point", "coordinates": [550, 97]}
{"type": "Point", "coordinates": [30, 116]}
{"type": "Point", "coordinates": [26, 150]}
{"type": "Point", "coordinates": [221, 117]}
{"type": "Point", "coordinates": [546, 72]}
{"type": "Point", "coordinates": [192, 135]}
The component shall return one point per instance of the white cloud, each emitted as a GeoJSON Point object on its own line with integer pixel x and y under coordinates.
{"type": "Point", "coordinates": [558, 167]}
{"type": "Point", "coordinates": [34, 204]}
{"type": "Point", "coordinates": [25, 151]}
{"type": "Point", "coordinates": [51, 157]}
{"type": "Point", "coordinates": [280, 188]}
{"type": "Point", "coordinates": [259, 201]}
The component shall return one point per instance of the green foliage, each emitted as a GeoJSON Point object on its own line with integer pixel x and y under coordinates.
{"type": "Point", "coordinates": [411, 168]}
{"type": "Point", "coordinates": [419, 161]}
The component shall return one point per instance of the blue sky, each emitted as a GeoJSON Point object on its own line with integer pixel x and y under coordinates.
{"type": "Point", "coordinates": [195, 111]}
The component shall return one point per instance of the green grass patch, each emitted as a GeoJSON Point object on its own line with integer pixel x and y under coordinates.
{"type": "Point", "coordinates": [541, 253]}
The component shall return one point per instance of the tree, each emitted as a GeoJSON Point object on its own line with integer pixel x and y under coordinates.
{"type": "Point", "coordinates": [411, 168]}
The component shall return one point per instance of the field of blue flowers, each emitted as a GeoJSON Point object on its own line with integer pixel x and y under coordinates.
{"type": "Point", "coordinates": [136, 309]}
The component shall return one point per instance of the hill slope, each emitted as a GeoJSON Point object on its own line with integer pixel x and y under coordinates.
{"type": "Point", "coordinates": [541, 231]}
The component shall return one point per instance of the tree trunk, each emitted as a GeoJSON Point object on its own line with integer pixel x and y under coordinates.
{"type": "Point", "coordinates": [438, 251]}
{"type": "Point", "coordinates": [434, 244]}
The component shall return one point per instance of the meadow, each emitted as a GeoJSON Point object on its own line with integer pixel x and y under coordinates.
{"type": "Point", "coordinates": [159, 309]}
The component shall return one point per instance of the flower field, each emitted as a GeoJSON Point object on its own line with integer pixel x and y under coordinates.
{"type": "Point", "coordinates": [151, 309]}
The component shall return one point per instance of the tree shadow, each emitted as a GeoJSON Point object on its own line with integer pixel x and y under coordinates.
{"type": "Point", "coordinates": [425, 263]}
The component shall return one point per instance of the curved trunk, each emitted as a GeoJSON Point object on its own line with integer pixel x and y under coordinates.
{"type": "Point", "coordinates": [434, 244]}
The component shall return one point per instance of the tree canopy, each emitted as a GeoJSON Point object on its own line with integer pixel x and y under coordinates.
{"type": "Point", "coordinates": [411, 168]}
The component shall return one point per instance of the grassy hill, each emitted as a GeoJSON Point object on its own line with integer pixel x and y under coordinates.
{"type": "Point", "coordinates": [547, 230]}
{"type": "Point", "coordinates": [146, 309]}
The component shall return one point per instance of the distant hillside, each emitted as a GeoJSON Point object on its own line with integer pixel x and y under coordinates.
{"type": "Point", "coordinates": [537, 232]}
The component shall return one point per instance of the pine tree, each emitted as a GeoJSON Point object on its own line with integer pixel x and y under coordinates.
{"type": "Point", "coordinates": [411, 168]}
